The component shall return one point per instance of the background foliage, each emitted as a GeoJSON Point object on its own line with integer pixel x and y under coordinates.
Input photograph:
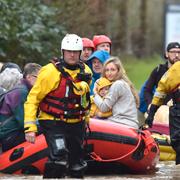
{"type": "Point", "coordinates": [31, 30]}
{"type": "Point", "coordinates": [28, 31]}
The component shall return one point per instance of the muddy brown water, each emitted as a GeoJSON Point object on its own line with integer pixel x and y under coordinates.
{"type": "Point", "coordinates": [165, 170]}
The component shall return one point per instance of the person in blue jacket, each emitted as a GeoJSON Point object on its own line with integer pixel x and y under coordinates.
{"type": "Point", "coordinates": [143, 104]}
{"type": "Point", "coordinates": [95, 62]}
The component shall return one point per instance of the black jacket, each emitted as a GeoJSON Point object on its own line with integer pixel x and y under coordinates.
{"type": "Point", "coordinates": [152, 82]}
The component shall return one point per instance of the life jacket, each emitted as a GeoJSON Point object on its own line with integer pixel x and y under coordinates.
{"type": "Point", "coordinates": [63, 103]}
{"type": "Point", "coordinates": [176, 95]}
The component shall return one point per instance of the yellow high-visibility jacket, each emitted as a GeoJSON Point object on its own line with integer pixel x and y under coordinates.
{"type": "Point", "coordinates": [169, 82]}
{"type": "Point", "coordinates": [47, 81]}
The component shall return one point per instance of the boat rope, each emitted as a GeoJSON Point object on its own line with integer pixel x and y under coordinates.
{"type": "Point", "coordinates": [96, 157]}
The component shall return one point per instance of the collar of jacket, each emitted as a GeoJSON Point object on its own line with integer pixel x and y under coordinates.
{"type": "Point", "coordinates": [71, 67]}
{"type": "Point", "coordinates": [26, 83]}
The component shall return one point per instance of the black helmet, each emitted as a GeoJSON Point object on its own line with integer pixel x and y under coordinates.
{"type": "Point", "coordinates": [172, 45]}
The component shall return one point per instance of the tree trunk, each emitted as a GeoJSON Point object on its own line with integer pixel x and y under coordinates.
{"type": "Point", "coordinates": [143, 28]}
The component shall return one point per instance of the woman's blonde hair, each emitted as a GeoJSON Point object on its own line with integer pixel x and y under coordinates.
{"type": "Point", "coordinates": [121, 75]}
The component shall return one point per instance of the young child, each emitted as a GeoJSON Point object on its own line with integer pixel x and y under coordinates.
{"type": "Point", "coordinates": [102, 88]}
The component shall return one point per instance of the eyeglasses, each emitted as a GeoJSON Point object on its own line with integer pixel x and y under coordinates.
{"type": "Point", "coordinates": [34, 75]}
{"type": "Point", "coordinates": [174, 52]}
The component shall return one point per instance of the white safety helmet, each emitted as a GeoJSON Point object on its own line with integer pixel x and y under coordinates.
{"type": "Point", "coordinates": [72, 42]}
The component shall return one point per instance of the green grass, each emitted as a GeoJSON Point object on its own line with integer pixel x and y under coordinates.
{"type": "Point", "coordinates": [138, 70]}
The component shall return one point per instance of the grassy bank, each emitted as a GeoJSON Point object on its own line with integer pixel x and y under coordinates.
{"type": "Point", "coordinates": [138, 70]}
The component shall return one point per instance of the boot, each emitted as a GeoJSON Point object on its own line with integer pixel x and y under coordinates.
{"type": "Point", "coordinates": [78, 170]}
{"type": "Point", "coordinates": [54, 170]}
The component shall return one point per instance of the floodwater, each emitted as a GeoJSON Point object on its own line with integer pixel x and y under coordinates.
{"type": "Point", "coordinates": [165, 170]}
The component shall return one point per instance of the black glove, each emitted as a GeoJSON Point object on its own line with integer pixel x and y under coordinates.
{"type": "Point", "coordinates": [149, 121]}
{"type": "Point", "coordinates": [152, 111]}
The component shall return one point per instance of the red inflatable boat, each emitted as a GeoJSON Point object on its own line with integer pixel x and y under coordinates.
{"type": "Point", "coordinates": [25, 158]}
{"type": "Point", "coordinates": [160, 128]}
{"type": "Point", "coordinates": [110, 142]}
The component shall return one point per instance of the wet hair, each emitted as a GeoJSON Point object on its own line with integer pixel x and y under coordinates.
{"type": "Point", "coordinates": [121, 75]}
{"type": "Point", "coordinates": [10, 65]}
{"type": "Point", "coordinates": [30, 69]}
{"type": "Point", "coordinates": [9, 78]}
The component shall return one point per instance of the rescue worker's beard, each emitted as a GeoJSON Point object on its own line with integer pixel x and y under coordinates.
{"type": "Point", "coordinates": [172, 61]}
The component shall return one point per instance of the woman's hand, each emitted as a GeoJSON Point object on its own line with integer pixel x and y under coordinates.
{"type": "Point", "coordinates": [30, 137]}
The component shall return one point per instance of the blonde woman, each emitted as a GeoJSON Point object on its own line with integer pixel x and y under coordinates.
{"type": "Point", "coordinates": [122, 97]}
